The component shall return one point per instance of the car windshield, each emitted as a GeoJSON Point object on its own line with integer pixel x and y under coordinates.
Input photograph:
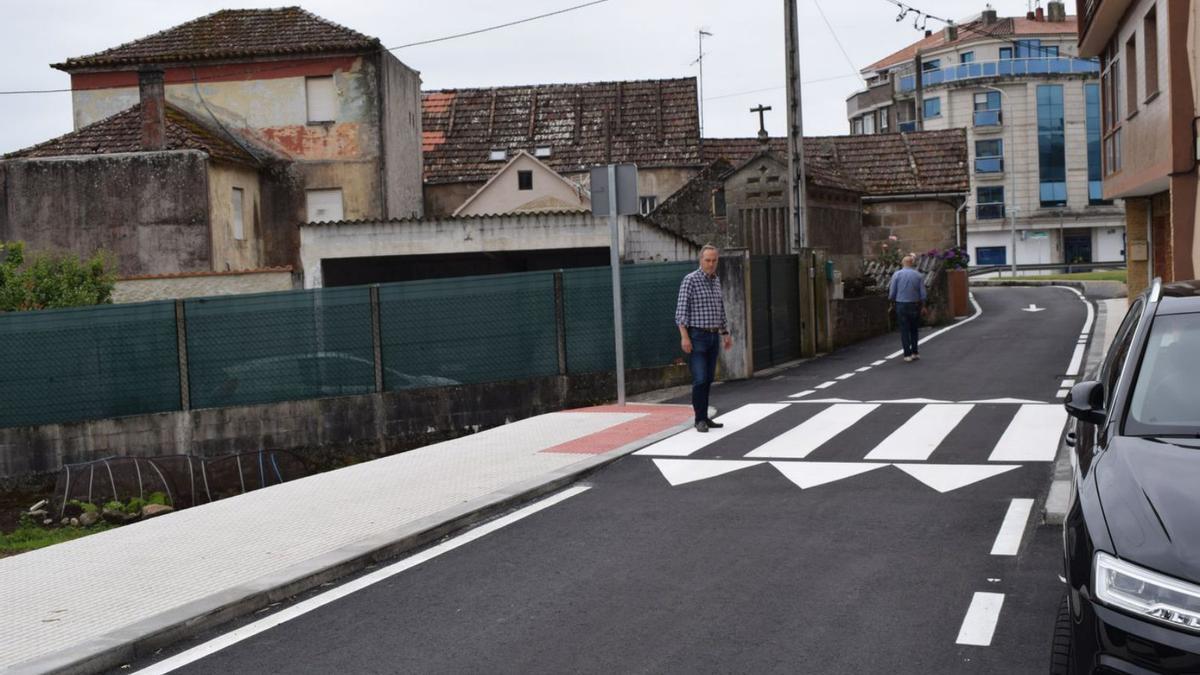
{"type": "Point", "coordinates": [1164, 401]}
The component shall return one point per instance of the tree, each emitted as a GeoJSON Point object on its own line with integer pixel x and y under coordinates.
{"type": "Point", "coordinates": [51, 281]}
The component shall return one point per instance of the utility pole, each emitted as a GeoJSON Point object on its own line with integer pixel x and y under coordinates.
{"type": "Point", "coordinates": [798, 220]}
{"type": "Point", "coordinates": [700, 35]}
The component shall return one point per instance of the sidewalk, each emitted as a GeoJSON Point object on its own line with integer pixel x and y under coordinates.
{"type": "Point", "coordinates": [101, 601]}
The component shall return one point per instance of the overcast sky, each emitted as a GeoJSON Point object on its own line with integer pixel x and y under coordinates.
{"type": "Point", "coordinates": [617, 40]}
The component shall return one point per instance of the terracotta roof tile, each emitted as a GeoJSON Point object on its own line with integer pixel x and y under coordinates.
{"type": "Point", "coordinates": [653, 123]}
{"type": "Point", "coordinates": [123, 133]}
{"type": "Point", "coordinates": [878, 164]}
{"type": "Point", "coordinates": [974, 31]}
{"type": "Point", "coordinates": [232, 33]}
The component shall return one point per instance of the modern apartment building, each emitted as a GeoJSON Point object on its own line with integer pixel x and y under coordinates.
{"type": "Point", "coordinates": [1031, 109]}
{"type": "Point", "coordinates": [1150, 103]}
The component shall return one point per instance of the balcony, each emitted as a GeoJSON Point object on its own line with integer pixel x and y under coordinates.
{"type": "Point", "coordinates": [1002, 68]}
{"type": "Point", "coordinates": [989, 211]}
{"type": "Point", "coordinates": [988, 118]}
{"type": "Point", "coordinates": [989, 165]}
{"type": "Point", "coordinates": [910, 125]}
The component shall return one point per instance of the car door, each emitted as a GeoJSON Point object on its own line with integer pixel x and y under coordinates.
{"type": "Point", "coordinates": [1088, 439]}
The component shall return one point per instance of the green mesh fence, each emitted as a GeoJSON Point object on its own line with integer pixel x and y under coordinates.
{"type": "Point", "coordinates": [87, 363]}
{"type": "Point", "coordinates": [648, 295]}
{"type": "Point", "coordinates": [279, 346]}
{"type": "Point", "coordinates": [469, 329]}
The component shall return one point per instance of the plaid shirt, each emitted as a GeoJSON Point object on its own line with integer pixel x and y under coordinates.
{"type": "Point", "coordinates": [700, 303]}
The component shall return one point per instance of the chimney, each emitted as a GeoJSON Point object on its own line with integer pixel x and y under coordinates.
{"type": "Point", "coordinates": [928, 33]}
{"type": "Point", "coordinates": [154, 109]}
{"type": "Point", "coordinates": [1030, 15]}
{"type": "Point", "coordinates": [1041, 14]}
{"type": "Point", "coordinates": [951, 32]}
{"type": "Point", "coordinates": [1057, 12]}
{"type": "Point", "coordinates": [989, 16]}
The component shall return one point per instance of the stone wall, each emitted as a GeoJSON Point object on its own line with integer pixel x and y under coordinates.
{"type": "Point", "coordinates": [857, 319]}
{"type": "Point", "coordinates": [172, 287]}
{"type": "Point", "coordinates": [918, 225]}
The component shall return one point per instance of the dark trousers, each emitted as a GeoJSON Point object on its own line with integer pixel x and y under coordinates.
{"type": "Point", "coordinates": [908, 314]}
{"type": "Point", "coordinates": [703, 364]}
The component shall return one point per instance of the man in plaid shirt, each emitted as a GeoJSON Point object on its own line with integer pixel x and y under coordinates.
{"type": "Point", "coordinates": [700, 316]}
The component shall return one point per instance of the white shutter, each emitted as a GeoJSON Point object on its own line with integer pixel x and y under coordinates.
{"type": "Point", "coordinates": [324, 206]}
{"type": "Point", "coordinates": [239, 222]}
{"type": "Point", "coordinates": [322, 99]}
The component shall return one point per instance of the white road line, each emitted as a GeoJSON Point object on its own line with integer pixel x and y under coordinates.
{"type": "Point", "coordinates": [250, 630]}
{"type": "Point", "coordinates": [686, 442]}
{"type": "Point", "coordinates": [880, 362]}
{"type": "Point", "coordinates": [1032, 435]}
{"type": "Point", "coordinates": [1062, 393]}
{"type": "Point", "coordinates": [844, 376]}
{"type": "Point", "coordinates": [1076, 360]}
{"type": "Point", "coordinates": [980, 622]}
{"type": "Point", "coordinates": [1091, 311]}
{"type": "Point", "coordinates": [826, 385]}
{"type": "Point", "coordinates": [1008, 540]}
{"type": "Point", "coordinates": [801, 440]}
{"type": "Point", "coordinates": [1067, 384]}
{"type": "Point", "coordinates": [802, 394]}
{"type": "Point", "coordinates": [862, 370]}
{"type": "Point", "coordinates": [927, 338]}
{"type": "Point", "coordinates": [917, 438]}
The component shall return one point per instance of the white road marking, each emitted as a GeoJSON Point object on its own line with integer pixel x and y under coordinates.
{"type": "Point", "coordinates": [826, 385]}
{"type": "Point", "coordinates": [680, 471]}
{"type": "Point", "coordinates": [862, 370]}
{"type": "Point", "coordinates": [686, 442]}
{"type": "Point", "coordinates": [1062, 393]}
{"type": "Point", "coordinates": [979, 624]}
{"type": "Point", "coordinates": [911, 400]}
{"type": "Point", "coordinates": [948, 477]}
{"type": "Point", "coordinates": [1008, 540]}
{"type": "Point", "coordinates": [1005, 400]}
{"type": "Point", "coordinates": [917, 438]}
{"type": "Point", "coordinates": [1067, 384]}
{"type": "Point", "coordinates": [844, 376]}
{"type": "Point", "coordinates": [880, 362]}
{"type": "Point", "coordinates": [1032, 435]}
{"type": "Point", "coordinates": [811, 474]}
{"type": "Point", "coordinates": [250, 630]}
{"type": "Point", "coordinates": [802, 394]}
{"type": "Point", "coordinates": [827, 400]}
{"type": "Point", "coordinates": [927, 338]}
{"type": "Point", "coordinates": [1076, 359]}
{"type": "Point", "coordinates": [809, 435]}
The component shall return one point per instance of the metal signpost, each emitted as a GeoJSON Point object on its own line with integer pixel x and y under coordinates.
{"type": "Point", "coordinates": [615, 193]}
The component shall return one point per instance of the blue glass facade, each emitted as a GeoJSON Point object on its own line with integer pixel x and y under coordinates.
{"type": "Point", "coordinates": [1052, 151]}
{"type": "Point", "coordinates": [1091, 93]}
{"type": "Point", "coordinates": [1045, 64]}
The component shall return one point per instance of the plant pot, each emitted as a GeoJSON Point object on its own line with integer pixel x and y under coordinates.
{"type": "Point", "coordinates": [958, 292]}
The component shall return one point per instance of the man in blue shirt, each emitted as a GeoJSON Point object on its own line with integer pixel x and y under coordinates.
{"type": "Point", "coordinates": [907, 291]}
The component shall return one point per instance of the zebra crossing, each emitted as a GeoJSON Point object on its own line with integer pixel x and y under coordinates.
{"type": "Point", "coordinates": [803, 452]}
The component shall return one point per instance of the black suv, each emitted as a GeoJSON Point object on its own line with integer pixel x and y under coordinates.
{"type": "Point", "coordinates": [1131, 540]}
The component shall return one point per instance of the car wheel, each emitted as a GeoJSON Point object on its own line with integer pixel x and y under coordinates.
{"type": "Point", "coordinates": [1060, 653]}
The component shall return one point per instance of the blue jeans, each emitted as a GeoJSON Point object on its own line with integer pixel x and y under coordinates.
{"type": "Point", "coordinates": [703, 364]}
{"type": "Point", "coordinates": [908, 314]}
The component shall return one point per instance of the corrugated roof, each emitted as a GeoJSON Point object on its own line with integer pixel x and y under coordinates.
{"type": "Point", "coordinates": [976, 31]}
{"type": "Point", "coordinates": [123, 133]}
{"type": "Point", "coordinates": [232, 33]}
{"type": "Point", "coordinates": [653, 123]}
{"type": "Point", "coordinates": [922, 162]}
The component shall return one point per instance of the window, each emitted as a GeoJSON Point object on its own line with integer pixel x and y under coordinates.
{"type": "Point", "coordinates": [320, 99]}
{"type": "Point", "coordinates": [1006, 52]}
{"type": "Point", "coordinates": [324, 206]}
{"type": "Point", "coordinates": [869, 123]}
{"type": "Point", "coordinates": [1167, 370]}
{"type": "Point", "coordinates": [1115, 359]}
{"type": "Point", "coordinates": [1110, 108]}
{"type": "Point", "coordinates": [541, 151]}
{"type": "Point", "coordinates": [1150, 35]}
{"type": "Point", "coordinates": [238, 221]}
{"type": "Point", "coordinates": [1029, 49]}
{"type": "Point", "coordinates": [718, 203]}
{"type": "Point", "coordinates": [497, 155]}
{"type": "Point", "coordinates": [1050, 52]}
{"type": "Point", "coordinates": [989, 202]}
{"type": "Point", "coordinates": [989, 156]}
{"type": "Point", "coordinates": [884, 122]}
{"type": "Point", "coordinates": [987, 109]}
{"type": "Point", "coordinates": [933, 107]}
{"type": "Point", "coordinates": [1131, 100]}
{"type": "Point", "coordinates": [966, 57]}
{"type": "Point", "coordinates": [1091, 96]}
{"type": "Point", "coordinates": [991, 255]}
{"type": "Point", "coordinates": [931, 64]}
{"type": "Point", "coordinates": [524, 180]}
{"type": "Point", "coordinates": [1052, 152]}
{"type": "Point", "coordinates": [647, 204]}
{"type": "Point", "coordinates": [856, 126]}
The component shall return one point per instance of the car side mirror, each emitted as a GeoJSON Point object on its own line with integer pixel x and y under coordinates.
{"type": "Point", "coordinates": [1085, 402]}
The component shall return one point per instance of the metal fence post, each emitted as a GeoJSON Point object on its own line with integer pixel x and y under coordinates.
{"type": "Point", "coordinates": [560, 322]}
{"type": "Point", "coordinates": [376, 338]}
{"type": "Point", "coordinates": [185, 398]}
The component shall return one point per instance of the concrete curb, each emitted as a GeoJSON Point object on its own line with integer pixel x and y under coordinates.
{"type": "Point", "coordinates": [1099, 289]}
{"type": "Point", "coordinates": [141, 639]}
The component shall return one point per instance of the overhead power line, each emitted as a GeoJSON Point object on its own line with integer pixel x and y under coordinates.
{"type": "Point", "coordinates": [267, 69]}
{"type": "Point", "coordinates": [759, 91]}
{"type": "Point", "coordinates": [832, 32]}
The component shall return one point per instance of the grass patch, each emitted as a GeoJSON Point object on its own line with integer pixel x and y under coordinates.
{"type": "Point", "coordinates": [31, 537]}
{"type": "Point", "coordinates": [1100, 275]}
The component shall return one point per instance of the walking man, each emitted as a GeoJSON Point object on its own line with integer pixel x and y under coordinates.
{"type": "Point", "coordinates": [700, 315]}
{"type": "Point", "coordinates": [907, 292]}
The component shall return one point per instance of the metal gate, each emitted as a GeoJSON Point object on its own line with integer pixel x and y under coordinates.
{"type": "Point", "coordinates": [775, 309]}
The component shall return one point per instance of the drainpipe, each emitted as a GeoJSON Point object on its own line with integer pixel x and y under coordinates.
{"type": "Point", "coordinates": [958, 227]}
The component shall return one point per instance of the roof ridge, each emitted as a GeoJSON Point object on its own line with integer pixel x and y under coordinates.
{"type": "Point", "coordinates": [459, 90]}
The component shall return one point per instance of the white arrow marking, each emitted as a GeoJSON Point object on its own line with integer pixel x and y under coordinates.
{"type": "Point", "coordinates": [812, 474]}
{"type": "Point", "coordinates": [947, 477]}
{"type": "Point", "coordinates": [1033, 308]}
{"type": "Point", "coordinates": [680, 471]}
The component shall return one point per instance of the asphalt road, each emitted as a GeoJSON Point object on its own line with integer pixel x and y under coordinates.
{"type": "Point", "coordinates": [890, 559]}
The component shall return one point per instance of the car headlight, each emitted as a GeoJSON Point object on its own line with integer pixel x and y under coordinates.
{"type": "Point", "coordinates": [1147, 594]}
